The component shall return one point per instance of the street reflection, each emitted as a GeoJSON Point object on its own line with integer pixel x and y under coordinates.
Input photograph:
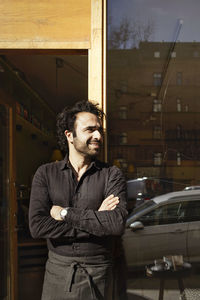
{"type": "Point", "coordinates": [153, 80]}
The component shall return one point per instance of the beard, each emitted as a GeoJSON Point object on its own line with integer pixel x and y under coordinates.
{"type": "Point", "coordinates": [90, 148]}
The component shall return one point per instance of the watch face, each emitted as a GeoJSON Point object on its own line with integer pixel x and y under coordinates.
{"type": "Point", "coordinates": [63, 212]}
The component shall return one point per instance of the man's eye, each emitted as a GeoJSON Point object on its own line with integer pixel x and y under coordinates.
{"type": "Point", "coordinates": [101, 131]}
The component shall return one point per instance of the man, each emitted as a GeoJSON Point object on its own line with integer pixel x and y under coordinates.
{"type": "Point", "coordinates": [79, 206]}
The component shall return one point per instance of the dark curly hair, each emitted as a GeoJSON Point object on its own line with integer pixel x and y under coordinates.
{"type": "Point", "coordinates": [67, 118]}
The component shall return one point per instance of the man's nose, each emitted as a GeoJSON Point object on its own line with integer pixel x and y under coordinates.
{"type": "Point", "coordinates": [97, 135]}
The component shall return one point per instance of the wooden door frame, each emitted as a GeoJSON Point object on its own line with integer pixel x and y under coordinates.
{"type": "Point", "coordinates": [13, 255]}
{"type": "Point", "coordinates": [96, 56]}
{"type": "Point", "coordinates": [96, 92]}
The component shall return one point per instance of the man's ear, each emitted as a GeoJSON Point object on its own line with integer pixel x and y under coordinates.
{"type": "Point", "coordinates": [69, 136]}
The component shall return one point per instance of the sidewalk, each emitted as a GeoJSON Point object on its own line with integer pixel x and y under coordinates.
{"type": "Point", "coordinates": [140, 287]}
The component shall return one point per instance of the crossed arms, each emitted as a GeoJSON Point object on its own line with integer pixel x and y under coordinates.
{"type": "Point", "coordinates": [108, 204]}
{"type": "Point", "coordinates": [108, 219]}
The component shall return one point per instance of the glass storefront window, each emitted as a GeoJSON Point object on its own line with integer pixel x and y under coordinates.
{"type": "Point", "coordinates": [153, 80]}
{"type": "Point", "coordinates": [154, 47]}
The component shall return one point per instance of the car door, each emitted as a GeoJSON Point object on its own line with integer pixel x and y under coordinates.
{"type": "Point", "coordinates": [164, 233]}
{"type": "Point", "coordinates": [193, 237]}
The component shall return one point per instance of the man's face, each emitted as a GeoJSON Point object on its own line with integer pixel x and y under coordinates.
{"type": "Point", "coordinates": [88, 134]}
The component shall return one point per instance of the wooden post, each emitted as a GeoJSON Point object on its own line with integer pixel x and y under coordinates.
{"type": "Point", "coordinates": [97, 59]}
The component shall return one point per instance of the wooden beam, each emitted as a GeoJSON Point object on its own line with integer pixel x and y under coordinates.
{"type": "Point", "coordinates": [43, 52]}
{"type": "Point", "coordinates": [97, 59]}
{"type": "Point", "coordinates": [44, 24]}
{"type": "Point", "coordinates": [104, 79]}
{"type": "Point", "coordinates": [95, 53]}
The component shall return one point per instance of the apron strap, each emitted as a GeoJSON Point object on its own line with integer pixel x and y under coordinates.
{"type": "Point", "coordinates": [71, 274]}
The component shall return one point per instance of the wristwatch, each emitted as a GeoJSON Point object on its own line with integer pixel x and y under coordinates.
{"type": "Point", "coordinates": [63, 213]}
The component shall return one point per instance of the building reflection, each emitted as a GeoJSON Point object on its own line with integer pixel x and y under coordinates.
{"type": "Point", "coordinates": [154, 109]}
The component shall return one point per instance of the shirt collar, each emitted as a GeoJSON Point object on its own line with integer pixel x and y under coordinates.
{"type": "Point", "coordinates": [64, 164]}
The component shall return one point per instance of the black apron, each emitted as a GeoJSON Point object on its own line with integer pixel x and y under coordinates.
{"type": "Point", "coordinates": [77, 278]}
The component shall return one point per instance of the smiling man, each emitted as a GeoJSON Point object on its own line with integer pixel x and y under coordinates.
{"type": "Point", "coordinates": [79, 206]}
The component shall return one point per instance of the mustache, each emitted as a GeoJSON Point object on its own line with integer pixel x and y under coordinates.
{"type": "Point", "coordinates": [94, 141]}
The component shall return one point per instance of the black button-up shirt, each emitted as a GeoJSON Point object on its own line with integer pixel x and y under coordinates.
{"type": "Point", "coordinates": [86, 231]}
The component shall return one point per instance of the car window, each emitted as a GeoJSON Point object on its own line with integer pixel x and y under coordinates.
{"type": "Point", "coordinates": [166, 214]}
{"type": "Point", "coordinates": [193, 212]}
{"type": "Point", "coordinates": [143, 206]}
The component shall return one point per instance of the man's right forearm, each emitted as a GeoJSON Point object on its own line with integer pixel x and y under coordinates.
{"type": "Point", "coordinates": [46, 227]}
{"type": "Point", "coordinates": [41, 224]}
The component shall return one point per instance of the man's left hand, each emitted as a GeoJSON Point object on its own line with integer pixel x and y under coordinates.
{"type": "Point", "coordinates": [55, 212]}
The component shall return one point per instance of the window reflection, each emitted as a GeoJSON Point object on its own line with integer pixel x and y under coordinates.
{"type": "Point", "coordinates": [123, 112]}
{"type": "Point", "coordinates": [157, 79]}
{"type": "Point", "coordinates": [179, 78]}
{"type": "Point", "coordinates": [153, 95]}
{"type": "Point", "coordinates": [153, 120]}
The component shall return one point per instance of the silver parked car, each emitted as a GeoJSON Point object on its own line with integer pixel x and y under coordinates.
{"type": "Point", "coordinates": [165, 225]}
